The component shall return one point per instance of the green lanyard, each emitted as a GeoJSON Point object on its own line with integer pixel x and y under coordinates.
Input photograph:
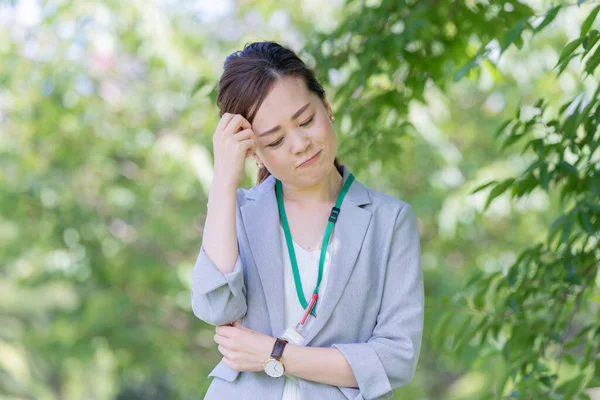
{"type": "Point", "coordinates": [290, 245]}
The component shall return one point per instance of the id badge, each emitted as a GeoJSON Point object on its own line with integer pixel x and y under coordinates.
{"type": "Point", "coordinates": [293, 336]}
{"type": "Point", "coordinates": [297, 334]}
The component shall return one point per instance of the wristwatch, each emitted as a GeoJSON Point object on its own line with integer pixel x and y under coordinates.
{"type": "Point", "coordinates": [274, 366]}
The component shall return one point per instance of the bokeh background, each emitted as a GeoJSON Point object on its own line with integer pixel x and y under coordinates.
{"type": "Point", "coordinates": [107, 110]}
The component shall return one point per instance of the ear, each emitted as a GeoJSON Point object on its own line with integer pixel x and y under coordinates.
{"type": "Point", "coordinates": [257, 159]}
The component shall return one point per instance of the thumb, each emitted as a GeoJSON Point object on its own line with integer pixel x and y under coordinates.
{"type": "Point", "coordinates": [237, 324]}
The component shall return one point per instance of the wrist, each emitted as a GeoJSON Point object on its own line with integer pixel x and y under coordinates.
{"type": "Point", "coordinates": [274, 366]}
{"type": "Point", "coordinates": [221, 191]}
{"type": "Point", "coordinates": [223, 185]}
{"type": "Point", "coordinates": [269, 350]}
{"type": "Point", "coordinates": [224, 182]}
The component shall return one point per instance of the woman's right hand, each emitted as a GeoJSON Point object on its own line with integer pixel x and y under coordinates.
{"type": "Point", "coordinates": [233, 142]}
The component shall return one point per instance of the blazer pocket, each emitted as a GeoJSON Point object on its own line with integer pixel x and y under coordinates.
{"type": "Point", "coordinates": [224, 372]}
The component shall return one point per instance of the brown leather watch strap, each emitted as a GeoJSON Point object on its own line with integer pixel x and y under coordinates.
{"type": "Point", "coordinates": [278, 348]}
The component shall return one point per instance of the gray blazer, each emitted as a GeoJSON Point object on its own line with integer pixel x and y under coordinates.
{"type": "Point", "coordinates": [372, 311]}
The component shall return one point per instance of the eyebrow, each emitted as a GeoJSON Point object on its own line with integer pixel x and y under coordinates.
{"type": "Point", "coordinates": [296, 115]}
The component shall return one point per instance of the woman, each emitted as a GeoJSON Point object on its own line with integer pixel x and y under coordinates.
{"type": "Point", "coordinates": [313, 280]}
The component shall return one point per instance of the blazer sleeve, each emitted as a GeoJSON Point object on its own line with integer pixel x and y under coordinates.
{"type": "Point", "coordinates": [218, 298]}
{"type": "Point", "coordinates": [389, 358]}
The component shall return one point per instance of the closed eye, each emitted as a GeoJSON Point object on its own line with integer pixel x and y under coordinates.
{"type": "Point", "coordinates": [304, 124]}
{"type": "Point", "coordinates": [307, 122]}
{"type": "Point", "coordinates": [275, 144]}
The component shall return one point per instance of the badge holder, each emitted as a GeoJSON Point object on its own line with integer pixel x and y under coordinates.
{"type": "Point", "coordinates": [295, 335]}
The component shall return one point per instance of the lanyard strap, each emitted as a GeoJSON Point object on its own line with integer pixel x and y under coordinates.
{"type": "Point", "coordinates": [335, 211]}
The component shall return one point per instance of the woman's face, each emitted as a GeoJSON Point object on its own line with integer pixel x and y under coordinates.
{"type": "Point", "coordinates": [292, 125]}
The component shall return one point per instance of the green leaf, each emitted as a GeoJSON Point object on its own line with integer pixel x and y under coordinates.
{"type": "Point", "coordinates": [567, 168]}
{"type": "Point", "coordinates": [572, 386]}
{"type": "Point", "coordinates": [565, 64]}
{"type": "Point", "coordinates": [512, 303]}
{"type": "Point", "coordinates": [481, 187]}
{"type": "Point", "coordinates": [555, 226]}
{"type": "Point", "coordinates": [491, 67]}
{"type": "Point", "coordinates": [568, 226]}
{"type": "Point", "coordinates": [593, 62]}
{"type": "Point", "coordinates": [591, 40]}
{"type": "Point", "coordinates": [569, 359]}
{"type": "Point", "coordinates": [539, 103]}
{"type": "Point", "coordinates": [498, 190]}
{"type": "Point", "coordinates": [584, 220]}
{"type": "Point", "coordinates": [501, 383]}
{"type": "Point", "coordinates": [568, 50]}
{"type": "Point", "coordinates": [595, 186]}
{"type": "Point", "coordinates": [513, 34]}
{"type": "Point", "coordinates": [587, 24]}
{"type": "Point", "coordinates": [512, 140]}
{"type": "Point", "coordinates": [538, 147]}
{"type": "Point", "coordinates": [482, 52]}
{"type": "Point", "coordinates": [544, 175]}
{"type": "Point", "coordinates": [564, 107]}
{"type": "Point", "coordinates": [468, 335]}
{"type": "Point", "coordinates": [502, 127]}
{"type": "Point", "coordinates": [512, 276]}
{"type": "Point", "coordinates": [533, 166]}
{"type": "Point", "coordinates": [440, 332]}
{"type": "Point", "coordinates": [199, 85]}
{"type": "Point", "coordinates": [479, 298]}
{"type": "Point", "coordinates": [549, 18]}
{"type": "Point", "coordinates": [595, 381]}
{"type": "Point", "coordinates": [461, 331]}
{"type": "Point", "coordinates": [568, 189]}
{"type": "Point", "coordinates": [545, 379]}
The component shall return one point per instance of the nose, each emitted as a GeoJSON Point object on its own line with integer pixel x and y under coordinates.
{"type": "Point", "coordinates": [300, 142]}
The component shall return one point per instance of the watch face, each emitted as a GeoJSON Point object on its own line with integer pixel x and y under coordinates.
{"type": "Point", "coordinates": [273, 368]}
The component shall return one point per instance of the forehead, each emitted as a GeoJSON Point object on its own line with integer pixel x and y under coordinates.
{"type": "Point", "coordinates": [285, 98]}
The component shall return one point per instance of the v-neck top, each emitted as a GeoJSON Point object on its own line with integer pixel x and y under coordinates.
{"type": "Point", "coordinates": [308, 266]}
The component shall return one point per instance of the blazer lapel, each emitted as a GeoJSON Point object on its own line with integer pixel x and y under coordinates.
{"type": "Point", "coordinates": [261, 222]}
{"type": "Point", "coordinates": [348, 236]}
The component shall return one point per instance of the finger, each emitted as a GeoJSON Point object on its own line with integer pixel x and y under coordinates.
{"type": "Point", "coordinates": [250, 150]}
{"type": "Point", "coordinates": [247, 145]}
{"type": "Point", "coordinates": [227, 353]}
{"type": "Point", "coordinates": [224, 330]}
{"type": "Point", "coordinates": [229, 363]}
{"type": "Point", "coordinates": [225, 120]}
{"type": "Point", "coordinates": [218, 338]}
{"type": "Point", "coordinates": [236, 123]}
{"type": "Point", "coordinates": [225, 342]}
{"type": "Point", "coordinates": [245, 135]}
{"type": "Point", "coordinates": [238, 324]}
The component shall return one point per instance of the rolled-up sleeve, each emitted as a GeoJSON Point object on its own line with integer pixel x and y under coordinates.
{"type": "Point", "coordinates": [218, 298]}
{"type": "Point", "coordinates": [389, 358]}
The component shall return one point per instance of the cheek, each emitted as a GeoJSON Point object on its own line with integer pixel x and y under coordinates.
{"type": "Point", "coordinates": [325, 131]}
{"type": "Point", "coordinates": [269, 155]}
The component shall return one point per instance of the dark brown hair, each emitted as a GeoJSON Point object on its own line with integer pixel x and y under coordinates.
{"type": "Point", "coordinates": [249, 75]}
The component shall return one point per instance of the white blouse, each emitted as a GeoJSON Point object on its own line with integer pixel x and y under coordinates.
{"type": "Point", "coordinates": [308, 266]}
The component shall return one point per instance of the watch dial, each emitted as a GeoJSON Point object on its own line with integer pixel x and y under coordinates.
{"type": "Point", "coordinates": [278, 369]}
{"type": "Point", "coordinates": [273, 368]}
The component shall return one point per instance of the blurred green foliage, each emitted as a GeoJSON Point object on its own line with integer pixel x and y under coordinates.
{"type": "Point", "coordinates": [106, 118]}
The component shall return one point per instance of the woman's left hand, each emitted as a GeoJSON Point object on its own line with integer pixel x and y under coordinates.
{"type": "Point", "coordinates": [243, 349]}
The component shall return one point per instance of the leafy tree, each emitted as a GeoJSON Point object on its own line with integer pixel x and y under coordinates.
{"type": "Point", "coordinates": [542, 313]}
{"type": "Point", "coordinates": [106, 111]}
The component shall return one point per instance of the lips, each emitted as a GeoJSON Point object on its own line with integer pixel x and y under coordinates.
{"type": "Point", "coordinates": [310, 159]}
